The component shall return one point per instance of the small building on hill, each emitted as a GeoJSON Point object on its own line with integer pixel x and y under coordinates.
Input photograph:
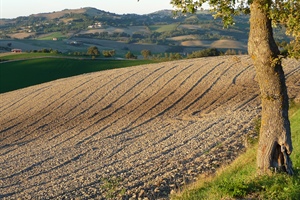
{"type": "Point", "coordinates": [16, 50]}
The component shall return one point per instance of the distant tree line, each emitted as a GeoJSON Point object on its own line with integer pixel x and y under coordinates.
{"type": "Point", "coordinates": [44, 50]}
{"type": "Point", "coordinates": [167, 56]}
{"type": "Point", "coordinates": [94, 52]}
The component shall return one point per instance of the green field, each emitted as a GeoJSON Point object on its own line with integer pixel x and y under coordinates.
{"type": "Point", "coordinates": [57, 35]}
{"type": "Point", "coordinates": [20, 56]}
{"type": "Point", "coordinates": [19, 74]}
{"type": "Point", "coordinates": [240, 181]}
{"type": "Point", "coordinates": [163, 28]}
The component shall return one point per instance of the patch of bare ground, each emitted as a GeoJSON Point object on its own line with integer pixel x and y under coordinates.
{"type": "Point", "coordinates": [184, 37]}
{"type": "Point", "coordinates": [20, 35]}
{"type": "Point", "coordinates": [193, 43]}
{"type": "Point", "coordinates": [229, 44]}
{"type": "Point", "coordinates": [129, 133]}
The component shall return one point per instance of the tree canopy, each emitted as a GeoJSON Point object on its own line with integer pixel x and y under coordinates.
{"type": "Point", "coordinates": [283, 13]}
{"type": "Point", "coordinates": [146, 53]}
{"type": "Point", "coordinates": [130, 55]}
{"type": "Point", "coordinates": [93, 50]}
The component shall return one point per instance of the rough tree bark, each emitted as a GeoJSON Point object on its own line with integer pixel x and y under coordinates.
{"type": "Point", "coordinates": [275, 144]}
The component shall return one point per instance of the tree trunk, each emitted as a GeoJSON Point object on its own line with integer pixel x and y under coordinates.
{"type": "Point", "coordinates": [275, 144]}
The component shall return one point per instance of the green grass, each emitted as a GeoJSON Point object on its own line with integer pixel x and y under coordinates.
{"type": "Point", "coordinates": [295, 126]}
{"type": "Point", "coordinates": [240, 181]}
{"type": "Point", "coordinates": [20, 74]}
{"type": "Point", "coordinates": [18, 56]}
{"type": "Point", "coordinates": [57, 35]}
{"type": "Point", "coordinates": [163, 28]}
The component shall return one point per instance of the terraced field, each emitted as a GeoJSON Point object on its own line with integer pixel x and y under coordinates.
{"type": "Point", "coordinates": [127, 133]}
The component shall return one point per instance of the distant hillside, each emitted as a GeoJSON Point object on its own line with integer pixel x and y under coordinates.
{"type": "Point", "coordinates": [77, 20]}
{"type": "Point", "coordinates": [158, 28]}
{"type": "Point", "coordinates": [60, 14]}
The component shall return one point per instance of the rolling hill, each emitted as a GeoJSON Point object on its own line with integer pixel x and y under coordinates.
{"type": "Point", "coordinates": [182, 33]}
{"type": "Point", "coordinates": [57, 30]}
{"type": "Point", "coordinates": [135, 132]}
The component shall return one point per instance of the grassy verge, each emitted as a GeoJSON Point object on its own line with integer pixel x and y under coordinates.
{"type": "Point", "coordinates": [20, 56]}
{"type": "Point", "coordinates": [24, 73]}
{"type": "Point", "coordinates": [239, 180]}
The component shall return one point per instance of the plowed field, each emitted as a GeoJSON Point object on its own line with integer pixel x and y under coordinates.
{"type": "Point", "coordinates": [127, 133]}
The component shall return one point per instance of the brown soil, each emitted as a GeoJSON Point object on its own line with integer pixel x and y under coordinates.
{"type": "Point", "coordinates": [183, 37]}
{"type": "Point", "coordinates": [20, 35]}
{"type": "Point", "coordinates": [230, 44]}
{"type": "Point", "coordinates": [194, 43]}
{"type": "Point", "coordinates": [138, 132]}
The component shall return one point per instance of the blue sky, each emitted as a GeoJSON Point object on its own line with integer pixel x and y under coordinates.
{"type": "Point", "coordinates": [15, 8]}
